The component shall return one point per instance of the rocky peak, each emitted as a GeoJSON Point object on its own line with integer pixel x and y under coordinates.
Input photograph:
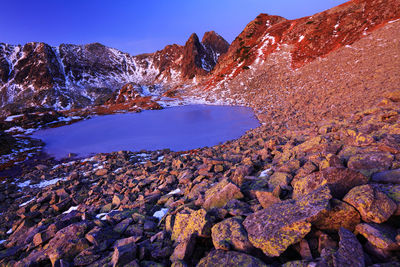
{"type": "Point", "coordinates": [214, 41]}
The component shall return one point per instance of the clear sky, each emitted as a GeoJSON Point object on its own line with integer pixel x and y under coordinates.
{"type": "Point", "coordinates": [138, 26]}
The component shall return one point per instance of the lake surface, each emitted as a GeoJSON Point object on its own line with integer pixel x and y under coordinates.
{"type": "Point", "coordinates": [177, 128]}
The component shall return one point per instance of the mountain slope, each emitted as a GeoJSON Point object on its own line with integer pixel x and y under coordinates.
{"type": "Point", "coordinates": [37, 74]}
{"type": "Point", "coordinates": [312, 68]}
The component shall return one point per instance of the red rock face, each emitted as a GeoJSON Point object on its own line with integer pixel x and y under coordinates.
{"type": "Point", "coordinates": [38, 67]}
{"type": "Point", "coordinates": [309, 37]}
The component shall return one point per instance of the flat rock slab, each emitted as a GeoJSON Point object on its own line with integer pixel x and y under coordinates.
{"type": "Point", "coordinates": [277, 227]}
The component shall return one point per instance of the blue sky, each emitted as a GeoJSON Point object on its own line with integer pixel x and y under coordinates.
{"type": "Point", "coordinates": [139, 26]}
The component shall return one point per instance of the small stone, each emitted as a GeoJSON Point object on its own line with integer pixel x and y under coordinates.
{"type": "Point", "coordinates": [101, 172]}
{"type": "Point", "coordinates": [116, 201]}
{"type": "Point", "coordinates": [373, 204]}
{"type": "Point", "coordinates": [230, 234]}
{"type": "Point", "coordinates": [229, 258]}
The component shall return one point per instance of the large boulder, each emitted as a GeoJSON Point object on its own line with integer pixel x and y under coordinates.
{"type": "Point", "coordinates": [275, 228]}
{"type": "Point", "coordinates": [68, 242]}
{"type": "Point", "coordinates": [229, 259]}
{"type": "Point", "coordinates": [371, 203]}
{"type": "Point", "coordinates": [230, 234]}
{"type": "Point", "coordinates": [339, 180]}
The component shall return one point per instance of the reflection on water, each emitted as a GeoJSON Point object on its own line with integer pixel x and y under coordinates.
{"type": "Point", "coordinates": [176, 128]}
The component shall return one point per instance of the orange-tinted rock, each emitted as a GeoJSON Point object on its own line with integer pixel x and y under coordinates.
{"type": "Point", "coordinates": [220, 194]}
{"type": "Point", "coordinates": [266, 198]}
{"type": "Point", "coordinates": [371, 203]}
{"type": "Point", "coordinates": [380, 235]}
{"type": "Point", "coordinates": [339, 180]}
{"type": "Point", "coordinates": [392, 191]}
{"type": "Point", "coordinates": [339, 215]}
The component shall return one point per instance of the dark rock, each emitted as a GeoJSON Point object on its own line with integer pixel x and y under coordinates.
{"type": "Point", "coordinates": [229, 259]}
{"type": "Point", "coordinates": [350, 251]}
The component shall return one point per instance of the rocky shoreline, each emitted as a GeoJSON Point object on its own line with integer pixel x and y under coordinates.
{"type": "Point", "coordinates": [320, 196]}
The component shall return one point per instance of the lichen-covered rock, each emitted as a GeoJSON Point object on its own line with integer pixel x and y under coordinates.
{"type": "Point", "coordinates": [339, 180]}
{"type": "Point", "coordinates": [191, 222]}
{"type": "Point", "coordinates": [220, 194]}
{"type": "Point", "coordinates": [229, 259]}
{"type": "Point", "coordinates": [274, 229]}
{"type": "Point", "coordinates": [339, 215]}
{"type": "Point", "coordinates": [393, 192]}
{"type": "Point", "coordinates": [279, 179]}
{"type": "Point", "coordinates": [371, 203]}
{"type": "Point", "coordinates": [230, 234]}
{"type": "Point", "coordinates": [350, 252]}
{"type": "Point", "coordinates": [68, 242]}
{"type": "Point", "coordinates": [380, 235]}
{"type": "Point", "coordinates": [370, 163]}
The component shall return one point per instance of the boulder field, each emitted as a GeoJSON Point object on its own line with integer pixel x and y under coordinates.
{"type": "Point", "coordinates": [327, 195]}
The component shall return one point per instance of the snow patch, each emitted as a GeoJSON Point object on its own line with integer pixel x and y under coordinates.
{"type": "Point", "coordinates": [27, 202]}
{"type": "Point", "coordinates": [9, 232]}
{"type": "Point", "coordinates": [24, 184]}
{"type": "Point", "coordinates": [70, 210]}
{"type": "Point", "coordinates": [2, 241]}
{"type": "Point", "coordinates": [300, 39]}
{"type": "Point", "coordinates": [48, 183]}
{"type": "Point", "coordinates": [11, 118]}
{"type": "Point", "coordinates": [161, 213]}
{"type": "Point", "coordinates": [176, 191]}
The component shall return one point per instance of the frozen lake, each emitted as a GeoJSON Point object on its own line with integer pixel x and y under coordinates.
{"type": "Point", "coordinates": [177, 128]}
